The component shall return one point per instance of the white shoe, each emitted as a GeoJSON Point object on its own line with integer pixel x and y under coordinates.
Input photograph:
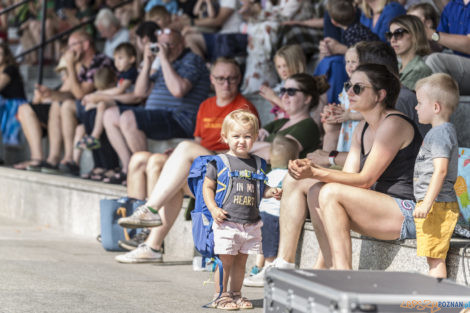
{"type": "Point", "coordinates": [141, 254]}
{"type": "Point", "coordinates": [256, 280]}
{"type": "Point", "coordinates": [141, 218]}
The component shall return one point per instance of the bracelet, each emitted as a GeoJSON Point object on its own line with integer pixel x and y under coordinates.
{"type": "Point", "coordinates": [332, 156]}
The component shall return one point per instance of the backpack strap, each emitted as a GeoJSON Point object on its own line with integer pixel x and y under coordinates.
{"type": "Point", "coordinates": [226, 163]}
{"type": "Point", "coordinates": [260, 177]}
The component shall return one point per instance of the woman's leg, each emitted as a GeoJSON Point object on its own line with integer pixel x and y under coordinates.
{"type": "Point", "coordinates": [365, 211]}
{"type": "Point", "coordinates": [136, 177]}
{"type": "Point", "coordinates": [111, 124]}
{"type": "Point", "coordinates": [32, 130]}
{"type": "Point", "coordinates": [324, 257]}
{"type": "Point", "coordinates": [175, 172]}
{"type": "Point", "coordinates": [68, 114]}
{"type": "Point", "coordinates": [292, 215]}
{"type": "Point", "coordinates": [79, 133]}
{"type": "Point", "coordinates": [54, 131]}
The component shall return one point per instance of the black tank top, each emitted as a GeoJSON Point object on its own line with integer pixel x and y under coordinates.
{"type": "Point", "coordinates": [397, 180]}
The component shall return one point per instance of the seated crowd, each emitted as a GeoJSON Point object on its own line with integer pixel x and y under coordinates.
{"type": "Point", "coordinates": [350, 113]}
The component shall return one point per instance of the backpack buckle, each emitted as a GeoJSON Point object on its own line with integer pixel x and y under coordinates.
{"type": "Point", "coordinates": [244, 174]}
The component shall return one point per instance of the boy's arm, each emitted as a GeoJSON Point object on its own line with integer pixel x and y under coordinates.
{"type": "Point", "coordinates": [272, 192]}
{"type": "Point", "coordinates": [435, 185]}
{"type": "Point", "coordinates": [208, 192]}
{"type": "Point", "coordinates": [118, 90]}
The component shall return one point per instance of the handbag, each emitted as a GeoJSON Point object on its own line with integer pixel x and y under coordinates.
{"type": "Point", "coordinates": [110, 211]}
{"type": "Point", "coordinates": [462, 191]}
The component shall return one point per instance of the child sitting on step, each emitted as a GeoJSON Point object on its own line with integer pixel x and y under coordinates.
{"type": "Point", "coordinates": [237, 225]}
{"type": "Point", "coordinates": [435, 172]}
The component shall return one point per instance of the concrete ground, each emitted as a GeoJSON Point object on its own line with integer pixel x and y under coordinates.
{"type": "Point", "coordinates": [42, 270]}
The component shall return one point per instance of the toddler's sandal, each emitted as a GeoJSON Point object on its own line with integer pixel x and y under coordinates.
{"type": "Point", "coordinates": [225, 302]}
{"type": "Point", "coordinates": [242, 302]}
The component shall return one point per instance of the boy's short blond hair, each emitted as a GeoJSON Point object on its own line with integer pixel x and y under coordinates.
{"type": "Point", "coordinates": [104, 78]}
{"type": "Point", "coordinates": [241, 117]}
{"type": "Point", "coordinates": [441, 88]}
{"type": "Point", "coordinates": [283, 149]}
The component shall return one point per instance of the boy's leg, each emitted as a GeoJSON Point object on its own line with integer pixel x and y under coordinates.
{"type": "Point", "coordinates": [98, 126]}
{"type": "Point", "coordinates": [437, 268]}
{"type": "Point", "coordinates": [79, 133]}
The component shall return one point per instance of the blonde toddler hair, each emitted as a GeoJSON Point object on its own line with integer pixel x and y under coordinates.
{"type": "Point", "coordinates": [294, 57]}
{"type": "Point", "coordinates": [241, 117]}
{"type": "Point", "coordinates": [441, 88]}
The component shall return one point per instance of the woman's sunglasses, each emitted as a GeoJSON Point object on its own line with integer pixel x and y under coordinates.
{"type": "Point", "coordinates": [290, 91]}
{"type": "Point", "coordinates": [356, 88]}
{"type": "Point", "coordinates": [398, 34]}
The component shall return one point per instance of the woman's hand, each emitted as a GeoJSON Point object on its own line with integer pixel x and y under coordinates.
{"type": "Point", "coordinates": [300, 169]}
{"type": "Point", "coordinates": [219, 215]}
{"type": "Point", "coordinates": [262, 134]}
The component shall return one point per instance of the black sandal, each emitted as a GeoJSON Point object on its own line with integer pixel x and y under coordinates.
{"type": "Point", "coordinates": [117, 179]}
{"type": "Point", "coordinates": [93, 173]}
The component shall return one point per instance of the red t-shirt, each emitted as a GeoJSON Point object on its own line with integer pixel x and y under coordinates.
{"type": "Point", "coordinates": [210, 117]}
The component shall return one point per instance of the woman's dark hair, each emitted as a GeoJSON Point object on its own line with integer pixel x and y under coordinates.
{"type": "Point", "coordinates": [313, 86]}
{"type": "Point", "coordinates": [377, 52]}
{"type": "Point", "coordinates": [381, 78]}
{"type": "Point", "coordinates": [9, 58]}
{"type": "Point", "coordinates": [147, 29]}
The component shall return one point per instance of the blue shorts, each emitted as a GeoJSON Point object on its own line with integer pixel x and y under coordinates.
{"type": "Point", "coordinates": [408, 228]}
{"type": "Point", "coordinates": [157, 124]}
{"type": "Point", "coordinates": [270, 234]}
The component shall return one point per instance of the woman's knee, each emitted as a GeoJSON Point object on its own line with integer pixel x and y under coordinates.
{"type": "Point", "coordinates": [111, 117]}
{"type": "Point", "coordinates": [138, 162]}
{"type": "Point", "coordinates": [24, 111]}
{"type": "Point", "coordinates": [328, 193]}
{"type": "Point", "coordinates": [155, 163]}
{"type": "Point", "coordinates": [127, 121]}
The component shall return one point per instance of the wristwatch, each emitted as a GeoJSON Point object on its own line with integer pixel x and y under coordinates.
{"type": "Point", "coordinates": [332, 156]}
{"type": "Point", "coordinates": [435, 36]}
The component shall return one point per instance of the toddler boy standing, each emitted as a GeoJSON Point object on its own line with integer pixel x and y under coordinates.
{"type": "Point", "coordinates": [437, 210]}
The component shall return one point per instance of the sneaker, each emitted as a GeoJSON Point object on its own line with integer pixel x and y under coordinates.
{"type": "Point", "coordinates": [255, 270]}
{"type": "Point", "coordinates": [135, 241]}
{"type": "Point", "coordinates": [142, 254]}
{"type": "Point", "coordinates": [142, 217]}
{"type": "Point", "coordinates": [256, 280]}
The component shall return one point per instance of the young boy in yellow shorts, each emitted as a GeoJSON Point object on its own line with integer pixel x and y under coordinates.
{"type": "Point", "coordinates": [437, 210]}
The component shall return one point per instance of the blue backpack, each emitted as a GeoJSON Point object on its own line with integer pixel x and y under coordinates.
{"type": "Point", "coordinates": [202, 220]}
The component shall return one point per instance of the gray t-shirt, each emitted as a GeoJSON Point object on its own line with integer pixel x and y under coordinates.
{"type": "Point", "coordinates": [440, 142]}
{"type": "Point", "coordinates": [242, 202]}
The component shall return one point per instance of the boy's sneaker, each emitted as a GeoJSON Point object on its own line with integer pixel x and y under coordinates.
{"type": "Point", "coordinates": [135, 241]}
{"type": "Point", "coordinates": [255, 270]}
{"type": "Point", "coordinates": [141, 218]}
{"type": "Point", "coordinates": [142, 254]}
{"type": "Point", "coordinates": [256, 280]}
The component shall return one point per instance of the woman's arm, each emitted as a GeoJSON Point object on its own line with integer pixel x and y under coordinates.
{"type": "Point", "coordinates": [392, 135]}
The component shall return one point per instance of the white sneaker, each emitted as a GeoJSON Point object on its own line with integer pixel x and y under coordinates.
{"type": "Point", "coordinates": [141, 254]}
{"type": "Point", "coordinates": [141, 218]}
{"type": "Point", "coordinates": [256, 280]}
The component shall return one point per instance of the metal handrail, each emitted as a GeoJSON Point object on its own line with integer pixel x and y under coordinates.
{"type": "Point", "coordinates": [14, 6]}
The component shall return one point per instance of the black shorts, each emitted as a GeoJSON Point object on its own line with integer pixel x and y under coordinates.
{"type": "Point", "coordinates": [42, 112]}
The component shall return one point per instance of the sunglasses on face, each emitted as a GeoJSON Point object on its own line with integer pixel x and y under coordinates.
{"type": "Point", "coordinates": [290, 91]}
{"type": "Point", "coordinates": [398, 34]}
{"type": "Point", "coordinates": [356, 88]}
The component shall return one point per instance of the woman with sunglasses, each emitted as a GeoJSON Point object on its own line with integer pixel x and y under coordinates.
{"type": "Point", "coordinates": [373, 194]}
{"type": "Point", "coordinates": [408, 38]}
{"type": "Point", "coordinates": [299, 96]}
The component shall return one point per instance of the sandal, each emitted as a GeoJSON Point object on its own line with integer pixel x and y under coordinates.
{"type": "Point", "coordinates": [88, 142]}
{"type": "Point", "coordinates": [93, 173]}
{"type": "Point", "coordinates": [242, 302]}
{"type": "Point", "coordinates": [225, 302]}
{"type": "Point", "coordinates": [25, 164]}
{"type": "Point", "coordinates": [100, 176]}
{"type": "Point", "coordinates": [117, 179]}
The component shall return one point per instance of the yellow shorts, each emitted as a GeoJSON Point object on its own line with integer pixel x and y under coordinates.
{"type": "Point", "coordinates": [433, 232]}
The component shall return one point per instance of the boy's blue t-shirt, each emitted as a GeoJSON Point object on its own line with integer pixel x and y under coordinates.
{"type": "Point", "coordinates": [242, 202]}
{"type": "Point", "coordinates": [131, 74]}
{"type": "Point", "coordinates": [440, 142]}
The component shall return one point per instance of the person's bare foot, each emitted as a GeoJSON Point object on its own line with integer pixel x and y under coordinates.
{"type": "Point", "coordinates": [23, 165]}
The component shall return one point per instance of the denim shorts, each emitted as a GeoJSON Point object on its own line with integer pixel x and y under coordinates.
{"type": "Point", "coordinates": [270, 234]}
{"type": "Point", "coordinates": [408, 228]}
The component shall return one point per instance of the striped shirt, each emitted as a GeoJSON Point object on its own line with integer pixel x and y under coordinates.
{"type": "Point", "coordinates": [193, 68]}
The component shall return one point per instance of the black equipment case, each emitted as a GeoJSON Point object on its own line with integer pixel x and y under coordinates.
{"type": "Point", "coordinates": [322, 291]}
